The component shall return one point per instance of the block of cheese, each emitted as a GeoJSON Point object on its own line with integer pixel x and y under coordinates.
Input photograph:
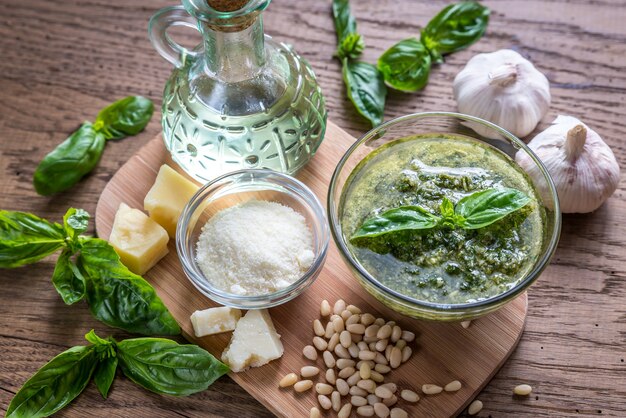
{"type": "Point", "coordinates": [168, 196]}
{"type": "Point", "coordinates": [255, 342]}
{"type": "Point", "coordinates": [138, 240]}
{"type": "Point", "coordinates": [214, 320]}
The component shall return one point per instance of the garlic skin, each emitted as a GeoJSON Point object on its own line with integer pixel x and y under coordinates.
{"type": "Point", "coordinates": [504, 88]}
{"type": "Point", "coordinates": [582, 166]}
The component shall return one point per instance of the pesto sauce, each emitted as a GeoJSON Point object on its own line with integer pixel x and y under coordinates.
{"type": "Point", "coordinates": [441, 265]}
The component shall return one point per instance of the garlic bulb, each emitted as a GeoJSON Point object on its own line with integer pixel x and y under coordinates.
{"type": "Point", "coordinates": [503, 88]}
{"type": "Point", "coordinates": [582, 166]}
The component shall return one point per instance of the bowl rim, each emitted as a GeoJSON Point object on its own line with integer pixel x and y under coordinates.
{"type": "Point", "coordinates": [265, 300]}
{"type": "Point", "coordinates": [521, 286]}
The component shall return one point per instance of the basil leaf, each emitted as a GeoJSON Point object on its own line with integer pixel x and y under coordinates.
{"type": "Point", "coordinates": [398, 219]}
{"type": "Point", "coordinates": [120, 298]}
{"type": "Point", "coordinates": [488, 206]}
{"type": "Point", "coordinates": [164, 366]}
{"type": "Point", "coordinates": [69, 161]}
{"type": "Point", "coordinates": [366, 89]}
{"type": "Point", "coordinates": [26, 238]}
{"type": "Point", "coordinates": [75, 222]}
{"type": "Point", "coordinates": [406, 65]}
{"type": "Point", "coordinates": [67, 279]}
{"type": "Point", "coordinates": [344, 21]}
{"type": "Point", "coordinates": [125, 117]}
{"type": "Point", "coordinates": [105, 374]}
{"type": "Point", "coordinates": [351, 46]}
{"type": "Point", "coordinates": [55, 385]}
{"type": "Point", "coordinates": [447, 208]}
{"type": "Point", "coordinates": [457, 26]}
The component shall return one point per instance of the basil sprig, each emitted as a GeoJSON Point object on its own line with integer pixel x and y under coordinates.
{"type": "Point", "coordinates": [81, 151]}
{"type": "Point", "coordinates": [474, 211]}
{"type": "Point", "coordinates": [406, 65]}
{"type": "Point", "coordinates": [159, 365]}
{"type": "Point", "coordinates": [88, 268]}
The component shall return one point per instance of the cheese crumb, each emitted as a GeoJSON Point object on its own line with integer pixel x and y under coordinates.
{"type": "Point", "coordinates": [255, 248]}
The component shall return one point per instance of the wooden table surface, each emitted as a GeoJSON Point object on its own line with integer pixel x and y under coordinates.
{"type": "Point", "coordinates": [60, 62]}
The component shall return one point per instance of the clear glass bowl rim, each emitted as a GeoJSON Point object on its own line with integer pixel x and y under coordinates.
{"type": "Point", "coordinates": [540, 265]}
{"type": "Point", "coordinates": [278, 297]}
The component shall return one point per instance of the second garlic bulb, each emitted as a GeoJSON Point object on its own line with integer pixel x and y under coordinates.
{"type": "Point", "coordinates": [503, 88]}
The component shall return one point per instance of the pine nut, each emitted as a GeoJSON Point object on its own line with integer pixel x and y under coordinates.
{"type": "Point", "coordinates": [367, 319]}
{"type": "Point", "coordinates": [338, 324]}
{"type": "Point", "coordinates": [372, 399]}
{"type": "Point", "coordinates": [342, 387]}
{"type": "Point", "coordinates": [356, 328]}
{"type": "Point", "coordinates": [384, 332]}
{"type": "Point", "coordinates": [353, 309]}
{"type": "Point", "coordinates": [398, 413]}
{"type": "Point", "coordinates": [318, 328]}
{"type": "Point", "coordinates": [353, 350]}
{"type": "Point", "coordinates": [466, 324]}
{"type": "Point", "coordinates": [358, 401]}
{"type": "Point", "coordinates": [346, 314]}
{"type": "Point", "coordinates": [341, 351]}
{"type": "Point", "coordinates": [330, 330]}
{"type": "Point", "coordinates": [380, 359]}
{"type": "Point", "coordinates": [430, 389]}
{"type": "Point", "coordinates": [324, 402]}
{"type": "Point", "coordinates": [354, 379]}
{"type": "Point", "coordinates": [329, 360]}
{"type": "Point", "coordinates": [383, 392]}
{"type": "Point", "coordinates": [363, 345]}
{"type": "Point", "coordinates": [309, 371]}
{"type": "Point", "coordinates": [391, 323]}
{"type": "Point", "coordinates": [396, 333]}
{"type": "Point", "coordinates": [332, 343]}
{"type": "Point", "coordinates": [522, 390]}
{"type": "Point", "coordinates": [380, 322]}
{"type": "Point", "coordinates": [367, 355]}
{"type": "Point", "coordinates": [371, 339]}
{"type": "Point", "coordinates": [452, 386]}
{"type": "Point", "coordinates": [406, 354]}
{"type": "Point", "coordinates": [339, 307]}
{"type": "Point", "coordinates": [303, 385]}
{"type": "Point", "coordinates": [391, 386]}
{"type": "Point", "coordinates": [388, 352]}
{"type": "Point", "coordinates": [365, 371]}
{"type": "Point", "coordinates": [346, 372]}
{"type": "Point", "coordinates": [395, 358]}
{"type": "Point", "coordinates": [345, 411]}
{"type": "Point", "coordinates": [368, 385]}
{"type": "Point", "coordinates": [345, 339]}
{"type": "Point", "coordinates": [377, 377]}
{"type": "Point", "coordinates": [335, 398]}
{"type": "Point", "coordinates": [401, 344]}
{"type": "Point", "coordinates": [381, 345]}
{"type": "Point", "coordinates": [391, 400]}
{"type": "Point", "coordinates": [354, 319]}
{"type": "Point", "coordinates": [381, 410]}
{"type": "Point", "coordinates": [315, 413]}
{"type": "Point", "coordinates": [382, 368]}
{"type": "Point", "coordinates": [475, 407]}
{"type": "Point", "coordinates": [320, 343]}
{"type": "Point", "coordinates": [372, 346]}
{"type": "Point", "coordinates": [408, 336]}
{"type": "Point", "coordinates": [288, 380]}
{"type": "Point", "coordinates": [372, 330]}
{"type": "Point", "coordinates": [309, 352]}
{"type": "Point", "coordinates": [365, 411]}
{"type": "Point", "coordinates": [331, 377]}
{"type": "Point", "coordinates": [409, 396]}
{"type": "Point", "coordinates": [361, 362]}
{"type": "Point", "coordinates": [356, 337]}
{"type": "Point", "coordinates": [357, 391]}
{"type": "Point", "coordinates": [323, 388]}
{"type": "Point", "coordinates": [342, 363]}
{"type": "Point", "coordinates": [325, 308]}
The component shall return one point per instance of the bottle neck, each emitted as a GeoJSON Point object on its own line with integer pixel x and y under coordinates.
{"type": "Point", "coordinates": [234, 56]}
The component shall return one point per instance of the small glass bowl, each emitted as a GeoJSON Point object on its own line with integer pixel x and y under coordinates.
{"type": "Point", "coordinates": [238, 187]}
{"type": "Point", "coordinates": [438, 123]}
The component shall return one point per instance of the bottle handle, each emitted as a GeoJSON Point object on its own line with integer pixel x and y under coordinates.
{"type": "Point", "coordinates": [165, 46]}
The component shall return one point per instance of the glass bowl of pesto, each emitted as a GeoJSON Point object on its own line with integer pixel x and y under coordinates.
{"type": "Point", "coordinates": [438, 222]}
{"type": "Point", "coordinates": [253, 239]}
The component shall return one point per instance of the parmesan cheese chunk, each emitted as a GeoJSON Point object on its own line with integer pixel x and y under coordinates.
{"type": "Point", "coordinates": [255, 342]}
{"type": "Point", "coordinates": [214, 320]}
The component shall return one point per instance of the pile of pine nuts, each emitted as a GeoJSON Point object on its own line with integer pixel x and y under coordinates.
{"type": "Point", "coordinates": [358, 350]}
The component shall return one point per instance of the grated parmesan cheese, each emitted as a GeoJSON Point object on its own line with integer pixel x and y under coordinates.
{"type": "Point", "coordinates": [255, 248]}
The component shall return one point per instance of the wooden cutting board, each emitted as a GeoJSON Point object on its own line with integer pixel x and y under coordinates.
{"type": "Point", "coordinates": [442, 352]}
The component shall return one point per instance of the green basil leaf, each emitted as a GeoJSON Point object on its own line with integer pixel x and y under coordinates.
{"type": "Point", "coordinates": [120, 298]}
{"type": "Point", "coordinates": [351, 46]}
{"type": "Point", "coordinates": [406, 65]}
{"type": "Point", "coordinates": [125, 117]}
{"type": "Point", "coordinates": [488, 206]}
{"type": "Point", "coordinates": [69, 161]}
{"type": "Point", "coordinates": [75, 222]}
{"type": "Point", "coordinates": [26, 238]}
{"type": "Point", "coordinates": [344, 21]}
{"type": "Point", "coordinates": [366, 89]}
{"type": "Point", "coordinates": [457, 26]}
{"type": "Point", "coordinates": [164, 366]}
{"type": "Point", "coordinates": [55, 385]}
{"type": "Point", "coordinates": [67, 279]}
{"type": "Point", "coordinates": [398, 219]}
{"type": "Point", "coordinates": [105, 374]}
{"type": "Point", "coordinates": [447, 208]}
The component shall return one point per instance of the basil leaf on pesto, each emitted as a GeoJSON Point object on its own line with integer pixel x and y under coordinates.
{"type": "Point", "coordinates": [488, 206]}
{"type": "Point", "coordinates": [399, 219]}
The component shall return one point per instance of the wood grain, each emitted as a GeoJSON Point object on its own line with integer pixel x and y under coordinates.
{"type": "Point", "coordinates": [443, 352]}
{"type": "Point", "coordinates": [62, 61]}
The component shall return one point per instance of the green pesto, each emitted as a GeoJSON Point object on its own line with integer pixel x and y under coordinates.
{"type": "Point", "coordinates": [442, 265]}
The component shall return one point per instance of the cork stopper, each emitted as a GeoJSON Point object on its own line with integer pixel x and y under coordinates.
{"type": "Point", "coordinates": [227, 5]}
{"type": "Point", "coordinates": [234, 24]}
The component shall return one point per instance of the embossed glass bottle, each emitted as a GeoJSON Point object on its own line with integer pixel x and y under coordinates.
{"type": "Point", "coordinates": [240, 99]}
